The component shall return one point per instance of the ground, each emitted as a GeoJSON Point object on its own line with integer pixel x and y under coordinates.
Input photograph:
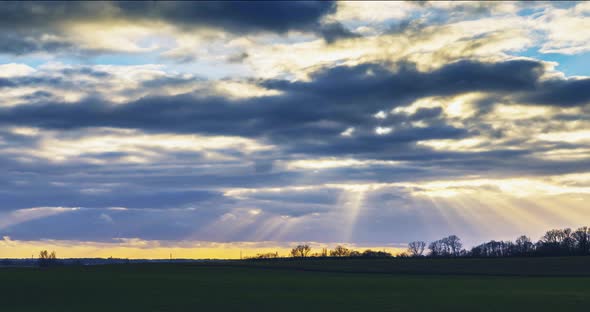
{"type": "Point", "coordinates": [327, 285]}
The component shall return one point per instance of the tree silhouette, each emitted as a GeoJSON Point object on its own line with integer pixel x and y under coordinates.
{"type": "Point", "coordinates": [436, 249]}
{"type": "Point", "coordinates": [375, 254]}
{"type": "Point", "coordinates": [340, 251]}
{"type": "Point", "coordinates": [46, 259]}
{"type": "Point", "coordinates": [582, 240]}
{"type": "Point", "coordinates": [446, 247]}
{"type": "Point", "coordinates": [454, 244]}
{"type": "Point", "coordinates": [416, 249]}
{"type": "Point", "coordinates": [301, 251]}
{"type": "Point", "coordinates": [523, 245]}
{"type": "Point", "coordinates": [555, 242]}
{"type": "Point", "coordinates": [268, 255]}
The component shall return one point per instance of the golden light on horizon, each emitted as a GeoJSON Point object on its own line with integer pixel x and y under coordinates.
{"type": "Point", "coordinates": [141, 249]}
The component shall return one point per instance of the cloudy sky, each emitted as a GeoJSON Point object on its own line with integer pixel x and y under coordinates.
{"type": "Point", "coordinates": [137, 129]}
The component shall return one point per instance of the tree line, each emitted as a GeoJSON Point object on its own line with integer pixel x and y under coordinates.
{"type": "Point", "coordinates": [305, 251]}
{"type": "Point", "coordinates": [556, 242]}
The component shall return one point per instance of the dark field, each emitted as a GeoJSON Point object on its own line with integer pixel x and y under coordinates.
{"type": "Point", "coordinates": [537, 284]}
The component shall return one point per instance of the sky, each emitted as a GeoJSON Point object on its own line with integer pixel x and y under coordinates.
{"type": "Point", "coordinates": [137, 130]}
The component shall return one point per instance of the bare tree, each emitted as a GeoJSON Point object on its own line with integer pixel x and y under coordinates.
{"type": "Point", "coordinates": [268, 255]}
{"type": "Point", "coordinates": [448, 246]}
{"type": "Point", "coordinates": [555, 242]}
{"type": "Point", "coordinates": [46, 258]}
{"type": "Point", "coordinates": [436, 248]}
{"type": "Point", "coordinates": [416, 249]}
{"type": "Point", "coordinates": [582, 240]}
{"type": "Point", "coordinates": [301, 251]}
{"type": "Point", "coordinates": [568, 241]}
{"type": "Point", "coordinates": [523, 245]}
{"type": "Point", "coordinates": [375, 254]}
{"type": "Point", "coordinates": [354, 253]}
{"type": "Point", "coordinates": [553, 237]}
{"type": "Point", "coordinates": [454, 244]}
{"type": "Point", "coordinates": [340, 251]}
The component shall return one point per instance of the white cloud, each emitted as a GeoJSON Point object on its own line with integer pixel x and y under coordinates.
{"type": "Point", "coordinates": [348, 132]}
{"type": "Point", "coordinates": [15, 70]}
{"type": "Point", "coordinates": [328, 163]}
{"type": "Point", "coordinates": [139, 147]}
{"type": "Point", "coordinates": [566, 30]}
{"type": "Point", "coordinates": [383, 130]}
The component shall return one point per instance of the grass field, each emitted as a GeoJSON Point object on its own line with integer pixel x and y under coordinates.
{"type": "Point", "coordinates": [325, 285]}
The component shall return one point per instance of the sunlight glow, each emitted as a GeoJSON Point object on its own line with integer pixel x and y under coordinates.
{"type": "Point", "coordinates": [328, 163]}
{"type": "Point", "coordinates": [140, 147]}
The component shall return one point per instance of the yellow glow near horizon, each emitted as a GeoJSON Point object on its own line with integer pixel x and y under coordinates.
{"type": "Point", "coordinates": [139, 249]}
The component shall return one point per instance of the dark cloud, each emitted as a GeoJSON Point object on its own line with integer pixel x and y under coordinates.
{"type": "Point", "coordinates": [92, 225]}
{"type": "Point", "coordinates": [238, 58]}
{"type": "Point", "coordinates": [376, 83]}
{"type": "Point", "coordinates": [561, 92]}
{"type": "Point", "coordinates": [304, 121]}
{"type": "Point", "coordinates": [77, 78]}
{"type": "Point", "coordinates": [27, 27]}
{"type": "Point", "coordinates": [321, 108]}
{"type": "Point", "coordinates": [426, 113]}
{"type": "Point", "coordinates": [20, 42]}
{"type": "Point", "coordinates": [95, 195]}
{"type": "Point", "coordinates": [175, 193]}
{"type": "Point", "coordinates": [234, 16]}
{"type": "Point", "coordinates": [332, 32]}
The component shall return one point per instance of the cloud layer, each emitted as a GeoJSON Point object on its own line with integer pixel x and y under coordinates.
{"type": "Point", "coordinates": [304, 121]}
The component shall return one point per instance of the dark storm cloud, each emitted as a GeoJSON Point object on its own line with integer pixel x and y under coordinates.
{"type": "Point", "coordinates": [304, 121]}
{"type": "Point", "coordinates": [235, 16]}
{"type": "Point", "coordinates": [105, 225]}
{"type": "Point", "coordinates": [65, 79]}
{"type": "Point", "coordinates": [89, 194]}
{"type": "Point", "coordinates": [565, 93]}
{"type": "Point", "coordinates": [305, 111]}
{"type": "Point", "coordinates": [20, 42]}
{"type": "Point", "coordinates": [332, 32]}
{"type": "Point", "coordinates": [24, 26]}
{"type": "Point", "coordinates": [375, 83]}
{"type": "Point", "coordinates": [333, 94]}
{"type": "Point", "coordinates": [426, 113]}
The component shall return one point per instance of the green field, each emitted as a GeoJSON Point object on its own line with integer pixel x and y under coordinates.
{"type": "Point", "coordinates": [550, 284]}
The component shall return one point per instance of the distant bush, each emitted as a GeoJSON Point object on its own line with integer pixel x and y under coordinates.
{"type": "Point", "coordinates": [375, 254]}
{"type": "Point", "coordinates": [340, 251]}
{"type": "Point", "coordinates": [269, 255]}
{"type": "Point", "coordinates": [46, 259]}
{"type": "Point", "coordinates": [301, 251]}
